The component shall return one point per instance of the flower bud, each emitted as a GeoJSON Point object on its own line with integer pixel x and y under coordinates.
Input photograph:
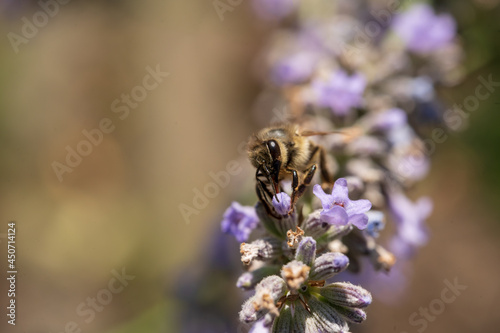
{"type": "Point", "coordinates": [249, 313]}
{"type": "Point", "coordinates": [326, 314]}
{"type": "Point", "coordinates": [267, 293]}
{"type": "Point", "coordinates": [274, 285]}
{"type": "Point", "coordinates": [282, 203]}
{"type": "Point", "coordinates": [275, 226]}
{"type": "Point", "coordinates": [346, 294]}
{"type": "Point", "coordinates": [352, 315]}
{"type": "Point", "coordinates": [306, 251]}
{"type": "Point", "coordinates": [261, 249]}
{"type": "Point", "coordinates": [314, 226]}
{"type": "Point", "coordinates": [248, 280]}
{"type": "Point", "coordinates": [328, 264]}
{"type": "Point", "coordinates": [321, 317]}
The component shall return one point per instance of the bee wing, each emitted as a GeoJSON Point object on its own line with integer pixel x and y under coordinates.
{"type": "Point", "coordinates": [349, 132]}
{"type": "Point", "coordinates": [313, 133]}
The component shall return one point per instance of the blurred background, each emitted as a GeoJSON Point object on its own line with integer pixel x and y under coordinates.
{"type": "Point", "coordinates": [131, 208]}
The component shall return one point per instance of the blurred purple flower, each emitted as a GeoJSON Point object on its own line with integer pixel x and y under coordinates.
{"type": "Point", "coordinates": [239, 221]}
{"type": "Point", "coordinates": [295, 68]}
{"type": "Point", "coordinates": [388, 119]}
{"type": "Point", "coordinates": [274, 9]}
{"type": "Point", "coordinates": [282, 203]}
{"type": "Point", "coordinates": [340, 92]}
{"type": "Point", "coordinates": [409, 163]}
{"type": "Point", "coordinates": [338, 209]}
{"type": "Point", "coordinates": [423, 31]}
{"type": "Point", "coordinates": [410, 221]}
{"type": "Point", "coordinates": [366, 145]}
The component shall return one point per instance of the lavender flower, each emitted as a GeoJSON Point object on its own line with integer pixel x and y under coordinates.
{"type": "Point", "coordinates": [422, 31]}
{"type": "Point", "coordinates": [340, 92]}
{"type": "Point", "coordinates": [339, 210]}
{"type": "Point", "coordinates": [282, 203]}
{"type": "Point", "coordinates": [388, 119]}
{"type": "Point", "coordinates": [322, 69]}
{"type": "Point", "coordinates": [295, 68]}
{"type": "Point", "coordinates": [239, 221]}
{"type": "Point", "coordinates": [410, 221]}
{"type": "Point", "coordinates": [409, 163]}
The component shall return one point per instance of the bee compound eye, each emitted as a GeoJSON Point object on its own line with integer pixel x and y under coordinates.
{"type": "Point", "coordinates": [274, 149]}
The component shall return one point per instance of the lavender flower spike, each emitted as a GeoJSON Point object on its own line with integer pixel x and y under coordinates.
{"type": "Point", "coordinates": [340, 92]}
{"type": "Point", "coordinates": [338, 209]}
{"type": "Point", "coordinates": [239, 221]}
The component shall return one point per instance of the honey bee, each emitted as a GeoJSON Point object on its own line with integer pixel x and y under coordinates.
{"type": "Point", "coordinates": [285, 152]}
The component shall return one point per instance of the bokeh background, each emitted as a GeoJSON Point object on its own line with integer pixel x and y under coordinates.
{"type": "Point", "coordinates": [119, 208]}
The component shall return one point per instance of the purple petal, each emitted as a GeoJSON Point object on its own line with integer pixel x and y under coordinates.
{"type": "Point", "coordinates": [410, 221]}
{"type": "Point", "coordinates": [335, 216]}
{"type": "Point", "coordinates": [357, 206]}
{"type": "Point", "coordinates": [359, 220]}
{"type": "Point", "coordinates": [401, 248]}
{"type": "Point", "coordinates": [340, 191]}
{"type": "Point", "coordinates": [326, 200]}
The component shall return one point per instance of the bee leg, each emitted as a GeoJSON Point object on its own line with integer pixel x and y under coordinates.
{"type": "Point", "coordinates": [295, 179]}
{"type": "Point", "coordinates": [263, 188]}
{"type": "Point", "coordinates": [325, 175]}
{"type": "Point", "coordinates": [265, 198]}
{"type": "Point", "coordinates": [309, 175]}
{"type": "Point", "coordinates": [298, 190]}
{"type": "Point", "coordinates": [326, 178]}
